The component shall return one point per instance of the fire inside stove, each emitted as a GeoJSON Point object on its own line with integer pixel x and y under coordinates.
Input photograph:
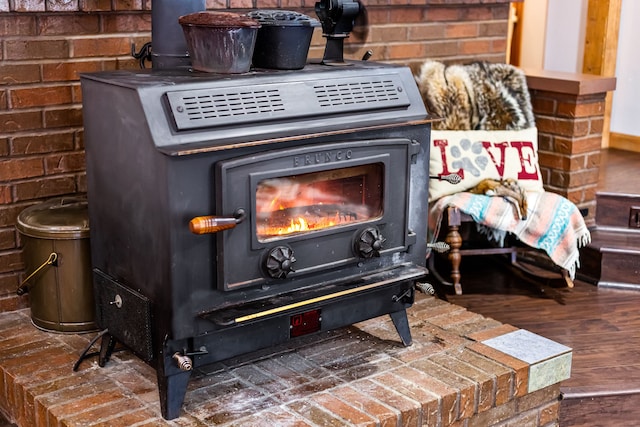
{"type": "Point", "coordinates": [319, 200]}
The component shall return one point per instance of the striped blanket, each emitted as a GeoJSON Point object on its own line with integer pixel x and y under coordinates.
{"type": "Point", "coordinates": [554, 224]}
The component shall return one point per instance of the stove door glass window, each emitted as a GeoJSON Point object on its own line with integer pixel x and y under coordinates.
{"type": "Point", "coordinates": [315, 201]}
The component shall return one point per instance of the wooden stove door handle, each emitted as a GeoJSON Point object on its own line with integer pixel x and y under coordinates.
{"type": "Point", "coordinates": [212, 224]}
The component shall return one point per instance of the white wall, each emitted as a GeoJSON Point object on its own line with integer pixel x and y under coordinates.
{"type": "Point", "coordinates": [625, 113]}
{"type": "Point", "coordinates": [564, 43]}
{"type": "Point", "coordinates": [564, 34]}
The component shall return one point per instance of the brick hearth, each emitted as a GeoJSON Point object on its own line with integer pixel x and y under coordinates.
{"type": "Point", "coordinates": [458, 372]}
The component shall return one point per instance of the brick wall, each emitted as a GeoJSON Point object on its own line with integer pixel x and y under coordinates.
{"type": "Point", "coordinates": [569, 110]}
{"type": "Point", "coordinates": [45, 44]}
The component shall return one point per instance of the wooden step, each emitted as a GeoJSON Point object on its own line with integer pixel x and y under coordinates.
{"type": "Point", "coordinates": [612, 259]}
{"type": "Point", "coordinates": [620, 410]}
{"type": "Point", "coordinates": [618, 210]}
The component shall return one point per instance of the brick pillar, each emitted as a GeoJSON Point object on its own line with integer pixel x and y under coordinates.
{"type": "Point", "coordinates": [569, 110]}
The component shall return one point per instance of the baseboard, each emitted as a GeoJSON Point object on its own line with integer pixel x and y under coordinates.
{"type": "Point", "coordinates": [625, 142]}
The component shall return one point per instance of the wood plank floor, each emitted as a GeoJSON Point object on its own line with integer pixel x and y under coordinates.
{"type": "Point", "coordinates": [601, 325]}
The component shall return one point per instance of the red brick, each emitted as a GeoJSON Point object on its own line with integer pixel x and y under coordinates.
{"type": "Point", "coordinates": [467, 388]}
{"type": "Point", "coordinates": [248, 4]}
{"type": "Point", "coordinates": [543, 106]}
{"type": "Point", "coordinates": [552, 160]}
{"type": "Point", "coordinates": [103, 46]}
{"type": "Point", "coordinates": [563, 127]}
{"type": "Point", "coordinates": [17, 25]}
{"type": "Point", "coordinates": [596, 126]}
{"type": "Point", "coordinates": [461, 30]}
{"type": "Point", "coordinates": [64, 163]}
{"type": "Point", "coordinates": [42, 143]}
{"type": "Point", "coordinates": [95, 5]}
{"type": "Point", "coordinates": [436, 14]}
{"type": "Point", "coordinates": [481, 13]}
{"type": "Point", "coordinates": [573, 146]}
{"type": "Point", "coordinates": [9, 283]}
{"type": "Point", "coordinates": [520, 368]}
{"type": "Point", "coordinates": [74, 24]}
{"type": "Point", "coordinates": [474, 46]}
{"type": "Point", "coordinates": [493, 29]}
{"type": "Point", "coordinates": [406, 15]}
{"type": "Point", "coordinates": [343, 410]}
{"type": "Point", "coordinates": [40, 96]}
{"type": "Point", "coordinates": [10, 261]}
{"type": "Point", "coordinates": [503, 375]}
{"type": "Point", "coordinates": [313, 413]}
{"type": "Point", "coordinates": [366, 403]}
{"type": "Point", "coordinates": [216, 4]}
{"type": "Point", "coordinates": [267, 4]}
{"type": "Point", "coordinates": [127, 22]}
{"type": "Point", "coordinates": [429, 402]}
{"type": "Point", "coordinates": [8, 214]}
{"type": "Point", "coordinates": [403, 51]}
{"type": "Point", "coordinates": [28, 6]}
{"type": "Point", "coordinates": [570, 109]}
{"type": "Point", "coordinates": [11, 74]}
{"type": "Point", "coordinates": [5, 194]}
{"type": "Point", "coordinates": [14, 169]}
{"type": "Point", "coordinates": [127, 5]}
{"type": "Point", "coordinates": [44, 188]}
{"type": "Point", "coordinates": [104, 413]}
{"type": "Point", "coordinates": [495, 416]}
{"type": "Point", "coordinates": [485, 382]}
{"type": "Point", "coordinates": [408, 410]}
{"type": "Point", "coordinates": [499, 45]}
{"type": "Point", "coordinates": [492, 333]}
{"type": "Point", "coordinates": [457, 318]}
{"type": "Point", "coordinates": [63, 117]}
{"type": "Point", "coordinates": [425, 31]}
{"type": "Point", "coordinates": [68, 71]}
{"type": "Point", "coordinates": [81, 183]}
{"type": "Point", "coordinates": [277, 416]}
{"type": "Point", "coordinates": [20, 121]}
{"type": "Point", "coordinates": [549, 413]}
{"type": "Point", "coordinates": [389, 34]}
{"type": "Point", "coordinates": [36, 49]}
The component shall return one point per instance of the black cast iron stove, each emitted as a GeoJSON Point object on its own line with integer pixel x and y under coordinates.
{"type": "Point", "coordinates": [231, 213]}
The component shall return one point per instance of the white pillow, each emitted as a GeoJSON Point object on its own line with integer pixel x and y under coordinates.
{"type": "Point", "coordinates": [478, 154]}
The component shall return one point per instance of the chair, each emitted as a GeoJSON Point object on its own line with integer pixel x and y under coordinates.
{"type": "Point", "coordinates": [488, 131]}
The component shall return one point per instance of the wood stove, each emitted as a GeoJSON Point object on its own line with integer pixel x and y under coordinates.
{"type": "Point", "coordinates": [231, 213]}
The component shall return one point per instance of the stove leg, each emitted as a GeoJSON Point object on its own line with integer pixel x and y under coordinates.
{"type": "Point", "coordinates": [400, 321]}
{"type": "Point", "coordinates": [106, 349]}
{"type": "Point", "coordinates": [172, 390]}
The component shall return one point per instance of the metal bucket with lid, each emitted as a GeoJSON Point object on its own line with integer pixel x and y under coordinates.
{"type": "Point", "coordinates": [55, 237]}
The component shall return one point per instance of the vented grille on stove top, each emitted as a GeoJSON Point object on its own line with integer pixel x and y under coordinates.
{"type": "Point", "coordinates": [223, 106]}
{"type": "Point", "coordinates": [359, 92]}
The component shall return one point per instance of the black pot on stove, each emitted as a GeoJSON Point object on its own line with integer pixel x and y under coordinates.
{"type": "Point", "coordinates": [283, 40]}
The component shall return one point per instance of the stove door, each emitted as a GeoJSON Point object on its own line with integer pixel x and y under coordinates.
{"type": "Point", "coordinates": [313, 210]}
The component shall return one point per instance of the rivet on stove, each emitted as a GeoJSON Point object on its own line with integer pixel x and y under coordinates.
{"type": "Point", "coordinates": [179, 108]}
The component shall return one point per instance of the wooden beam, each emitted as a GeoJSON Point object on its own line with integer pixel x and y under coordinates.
{"type": "Point", "coordinates": [601, 48]}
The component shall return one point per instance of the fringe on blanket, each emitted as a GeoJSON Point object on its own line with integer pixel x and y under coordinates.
{"type": "Point", "coordinates": [555, 225]}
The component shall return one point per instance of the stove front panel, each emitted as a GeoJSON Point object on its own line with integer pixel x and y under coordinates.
{"type": "Point", "coordinates": [314, 209]}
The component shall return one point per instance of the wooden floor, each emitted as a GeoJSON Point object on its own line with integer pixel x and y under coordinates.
{"type": "Point", "coordinates": [601, 325]}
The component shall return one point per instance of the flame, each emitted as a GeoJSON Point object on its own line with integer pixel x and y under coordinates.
{"type": "Point", "coordinates": [301, 224]}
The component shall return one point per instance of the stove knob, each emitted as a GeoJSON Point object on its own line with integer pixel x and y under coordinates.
{"type": "Point", "coordinates": [279, 262]}
{"type": "Point", "coordinates": [369, 243]}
